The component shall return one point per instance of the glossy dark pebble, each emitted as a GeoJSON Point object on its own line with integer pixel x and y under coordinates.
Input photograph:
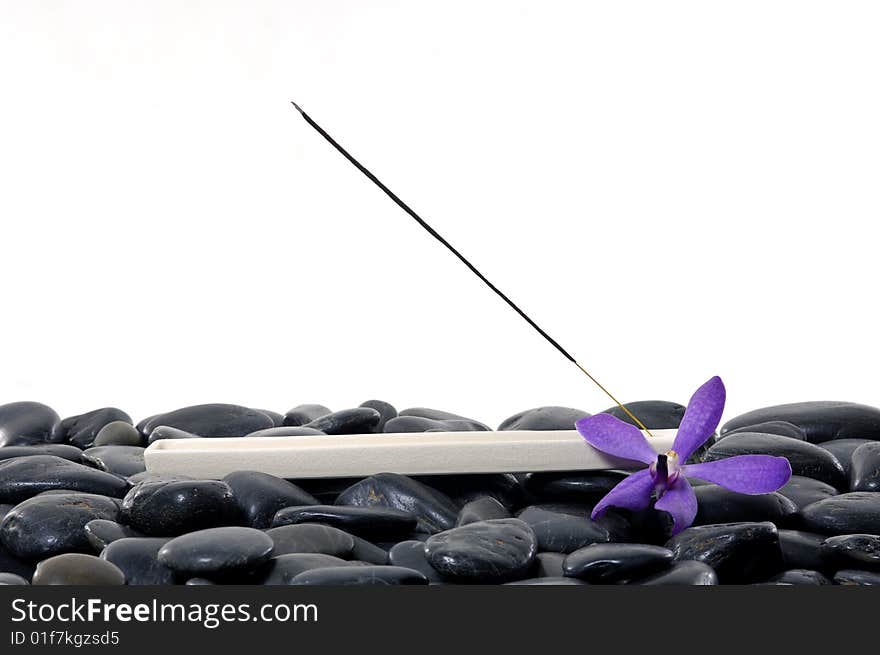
{"type": "Point", "coordinates": [118, 433]}
{"type": "Point", "coordinates": [282, 569]}
{"type": "Point", "coordinates": [25, 477]}
{"type": "Point", "coordinates": [739, 553]}
{"type": "Point", "coordinates": [803, 491]}
{"type": "Point", "coordinates": [71, 453]}
{"type": "Point", "coordinates": [26, 423]}
{"type": "Point", "coordinates": [716, 504]}
{"type": "Point", "coordinates": [83, 429]}
{"type": "Point", "coordinates": [311, 538]}
{"type": "Point", "coordinates": [387, 411]}
{"type": "Point", "coordinates": [655, 414]}
{"type": "Point", "coordinates": [462, 489]}
{"type": "Point", "coordinates": [358, 420]}
{"type": "Point", "coordinates": [167, 509]}
{"type": "Point", "coordinates": [217, 551]}
{"type": "Point", "coordinates": [820, 420]}
{"type": "Point", "coordinates": [119, 460]}
{"type": "Point", "coordinates": [853, 551]}
{"type": "Point", "coordinates": [368, 552]}
{"type": "Point", "coordinates": [77, 569]}
{"type": "Point", "coordinates": [360, 575]}
{"type": "Point", "coordinates": [302, 414]}
{"type": "Point", "coordinates": [857, 512]}
{"type": "Point", "coordinates": [411, 555]}
{"type": "Point", "coordinates": [382, 523]}
{"type": "Point", "coordinates": [260, 495]}
{"type": "Point", "coordinates": [434, 510]}
{"type": "Point", "coordinates": [549, 565]}
{"type": "Point", "coordinates": [806, 459]}
{"type": "Point", "coordinates": [583, 486]}
{"type": "Point", "coordinates": [856, 577]}
{"type": "Point", "coordinates": [684, 573]}
{"type": "Point", "coordinates": [481, 509]}
{"type": "Point", "coordinates": [211, 420]}
{"type": "Point", "coordinates": [286, 431]}
{"type": "Point", "coordinates": [782, 428]}
{"type": "Point", "coordinates": [558, 532]}
{"type": "Point", "coordinates": [102, 532]}
{"type": "Point", "coordinates": [166, 432]}
{"type": "Point", "coordinates": [843, 450]}
{"type": "Point", "coordinates": [489, 552]}
{"type": "Point", "coordinates": [802, 550]}
{"type": "Point", "coordinates": [11, 579]}
{"type": "Point", "coordinates": [138, 559]}
{"type": "Point", "coordinates": [865, 472]}
{"type": "Point", "coordinates": [48, 525]}
{"type": "Point", "coordinates": [801, 577]}
{"type": "Point", "coordinates": [544, 418]}
{"type": "Point", "coordinates": [405, 424]}
{"type": "Point", "coordinates": [612, 563]}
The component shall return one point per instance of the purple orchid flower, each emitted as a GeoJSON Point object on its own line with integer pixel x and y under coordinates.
{"type": "Point", "coordinates": [667, 473]}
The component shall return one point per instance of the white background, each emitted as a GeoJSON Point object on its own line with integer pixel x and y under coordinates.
{"type": "Point", "coordinates": [673, 189]}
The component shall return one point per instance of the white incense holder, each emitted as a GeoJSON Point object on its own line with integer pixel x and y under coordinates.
{"type": "Point", "coordinates": [362, 455]}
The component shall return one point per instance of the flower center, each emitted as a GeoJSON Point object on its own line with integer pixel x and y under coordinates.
{"type": "Point", "coordinates": [665, 470]}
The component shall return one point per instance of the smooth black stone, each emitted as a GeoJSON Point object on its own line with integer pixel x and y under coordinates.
{"type": "Point", "coordinates": [11, 579]}
{"type": "Point", "coordinates": [286, 431]}
{"type": "Point", "coordinates": [368, 552]}
{"type": "Point", "coordinates": [503, 487]}
{"type": "Point", "coordinates": [739, 553]}
{"type": "Point", "coordinates": [360, 575]}
{"type": "Point", "coordinates": [387, 411]}
{"type": "Point", "coordinates": [9, 563]}
{"type": "Point", "coordinates": [404, 424]}
{"type": "Point", "coordinates": [843, 450]}
{"type": "Point", "coordinates": [820, 420]}
{"type": "Point", "coordinates": [302, 414]}
{"type": "Point", "coordinates": [853, 551]}
{"type": "Point", "coordinates": [801, 577]}
{"type": "Point", "coordinates": [562, 533]}
{"type": "Point", "coordinates": [481, 509]}
{"type": "Point", "coordinates": [855, 577]}
{"type": "Point", "coordinates": [81, 430]}
{"type": "Point", "coordinates": [148, 476]}
{"type": "Point", "coordinates": [167, 509]}
{"type": "Point", "coordinates": [70, 453]}
{"type": "Point", "coordinates": [411, 554]}
{"type": "Point", "coordinates": [802, 550]}
{"type": "Point", "coordinates": [613, 563]}
{"type": "Point", "coordinates": [25, 477]}
{"type": "Point", "coordinates": [803, 491]}
{"type": "Point", "coordinates": [555, 582]}
{"type": "Point", "coordinates": [217, 551]}
{"type": "Point", "coordinates": [119, 460]}
{"type": "Point", "coordinates": [118, 433]}
{"type": "Point", "coordinates": [326, 490]}
{"type": "Point", "coordinates": [585, 486]}
{"type": "Point", "coordinates": [490, 551]}
{"type": "Point", "coordinates": [260, 495]}
{"type": "Point", "coordinates": [683, 573]}
{"type": "Point", "coordinates": [544, 418]}
{"type": "Point", "coordinates": [781, 428]}
{"type": "Point", "coordinates": [138, 559]}
{"type": "Point", "coordinates": [77, 569]}
{"type": "Point", "coordinates": [374, 522]}
{"type": "Point", "coordinates": [806, 459]}
{"type": "Point", "coordinates": [277, 418]}
{"type": "Point", "coordinates": [280, 570]}
{"type": "Point", "coordinates": [655, 414]}
{"type": "Point", "coordinates": [549, 565]}
{"type": "Point", "coordinates": [166, 432]}
{"type": "Point", "coordinates": [102, 532]}
{"type": "Point", "coordinates": [435, 510]}
{"type": "Point", "coordinates": [212, 420]}
{"type": "Point", "coordinates": [613, 522]}
{"type": "Point", "coordinates": [865, 473]}
{"type": "Point", "coordinates": [716, 504]}
{"type": "Point", "coordinates": [312, 538]}
{"type": "Point", "coordinates": [199, 582]}
{"type": "Point", "coordinates": [440, 415]}
{"type": "Point", "coordinates": [47, 525]}
{"type": "Point", "coordinates": [358, 420]}
{"type": "Point", "coordinates": [27, 423]}
{"type": "Point", "coordinates": [856, 512]}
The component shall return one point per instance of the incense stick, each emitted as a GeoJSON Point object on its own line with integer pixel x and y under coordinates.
{"type": "Point", "coordinates": [430, 230]}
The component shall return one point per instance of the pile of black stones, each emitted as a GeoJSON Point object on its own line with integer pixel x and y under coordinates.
{"type": "Point", "coordinates": [78, 507]}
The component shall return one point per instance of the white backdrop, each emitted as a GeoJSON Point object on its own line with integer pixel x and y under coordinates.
{"type": "Point", "coordinates": [672, 189]}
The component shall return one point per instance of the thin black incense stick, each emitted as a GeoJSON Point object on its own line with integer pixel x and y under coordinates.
{"type": "Point", "coordinates": [375, 180]}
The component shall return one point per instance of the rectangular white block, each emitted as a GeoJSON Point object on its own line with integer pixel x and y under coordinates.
{"type": "Point", "coordinates": [362, 455]}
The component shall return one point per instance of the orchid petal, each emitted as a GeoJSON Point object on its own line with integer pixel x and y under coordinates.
{"type": "Point", "coordinates": [614, 437]}
{"type": "Point", "coordinates": [745, 474]}
{"type": "Point", "coordinates": [680, 501]}
{"type": "Point", "coordinates": [633, 492]}
{"type": "Point", "coordinates": [700, 419]}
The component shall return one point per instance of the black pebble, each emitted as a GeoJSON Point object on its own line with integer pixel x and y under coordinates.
{"type": "Point", "coordinates": [260, 495]}
{"type": "Point", "coordinates": [170, 508]}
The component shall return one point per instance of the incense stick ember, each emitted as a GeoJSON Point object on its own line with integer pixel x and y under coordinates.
{"type": "Point", "coordinates": [430, 230]}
